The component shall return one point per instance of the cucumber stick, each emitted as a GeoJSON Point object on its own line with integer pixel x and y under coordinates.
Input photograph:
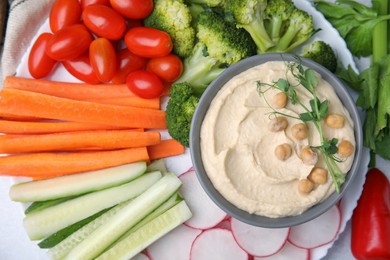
{"type": "Point", "coordinates": [42, 224]}
{"type": "Point", "coordinates": [147, 234]}
{"type": "Point", "coordinates": [40, 205]}
{"type": "Point", "coordinates": [126, 218]}
{"type": "Point", "coordinates": [172, 201]}
{"type": "Point", "coordinates": [58, 236]}
{"type": "Point", "coordinates": [63, 248]}
{"type": "Point", "coordinates": [76, 184]}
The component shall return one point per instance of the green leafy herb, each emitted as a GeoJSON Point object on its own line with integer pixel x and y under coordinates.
{"type": "Point", "coordinates": [354, 21]}
{"type": "Point", "coordinates": [315, 113]}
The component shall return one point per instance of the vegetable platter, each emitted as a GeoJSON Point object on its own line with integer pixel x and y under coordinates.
{"type": "Point", "coordinates": [196, 233]}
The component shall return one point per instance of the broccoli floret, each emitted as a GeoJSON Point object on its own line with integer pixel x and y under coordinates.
{"type": "Point", "coordinates": [249, 14]}
{"type": "Point", "coordinates": [180, 110]}
{"type": "Point", "coordinates": [278, 12]}
{"type": "Point", "coordinates": [209, 3]}
{"type": "Point", "coordinates": [299, 29]}
{"type": "Point", "coordinates": [174, 17]}
{"type": "Point", "coordinates": [321, 53]}
{"type": "Point", "coordinates": [220, 45]}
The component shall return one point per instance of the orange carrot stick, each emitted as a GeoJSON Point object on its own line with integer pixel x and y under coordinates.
{"type": "Point", "coordinates": [47, 127]}
{"type": "Point", "coordinates": [78, 91]}
{"type": "Point", "coordinates": [19, 118]}
{"type": "Point", "coordinates": [103, 139]}
{"type": "Point", "coordinates": [49, 165]}
{"type": "Point", "coordinates": [165, 149]}
{"type": "Point", "coordinates": [26, 103]}
{"type": "Point", "coordinates": [153, 103]}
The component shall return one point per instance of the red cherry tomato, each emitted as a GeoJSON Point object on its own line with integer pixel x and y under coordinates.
{"type": "Point", "coordinates": [126, 63]}
{"type": "Point", "coordinates": [81, 69]}
{"type": "Point", "coordinates": [148, 42]}
{"type": "Point", "coordinates": [144, 84]}
{"type": "Point", "coordinates": [168, 68]}
{"type": "Point", "coordinates": [104, 22]}
{"type": "Point", "coordinates": [63, 13]}
{"type": "Point", "coordinates": [133, 9]}
{"type": "Point", "coordinates": [103, 59]}
{"type": "Point", "coordinates": [69, 42]}
{"type": "Point", "coordinates": [85, 3]}
{"type": "Point", "coordinates": [39, 64]}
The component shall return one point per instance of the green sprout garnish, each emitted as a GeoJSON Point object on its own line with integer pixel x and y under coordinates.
{"type": "Point", "coordinates": [315, 113]}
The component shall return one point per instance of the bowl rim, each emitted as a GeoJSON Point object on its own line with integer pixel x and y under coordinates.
{"type": "Point", "coordinates": [195, 150]}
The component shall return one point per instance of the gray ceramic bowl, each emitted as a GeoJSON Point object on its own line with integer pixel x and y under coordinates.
{"type": "Point", "coordinates": [195, 148]}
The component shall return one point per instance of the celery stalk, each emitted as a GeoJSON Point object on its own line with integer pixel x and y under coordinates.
{"type": "Point", "coordinates": [379, 36]}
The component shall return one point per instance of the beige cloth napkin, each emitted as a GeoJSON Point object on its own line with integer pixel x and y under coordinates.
{"type": "Point", "coordinates": [24, 19]}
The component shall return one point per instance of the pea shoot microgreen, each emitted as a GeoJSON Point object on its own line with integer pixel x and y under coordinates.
{"type": "Point", "coordinates": [315, 113]}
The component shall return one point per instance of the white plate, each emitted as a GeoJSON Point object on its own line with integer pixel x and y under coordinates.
{"type": "Point", "coordinates": [182, 163]}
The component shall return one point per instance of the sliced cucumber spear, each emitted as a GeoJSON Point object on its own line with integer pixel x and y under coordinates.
{"type": "Point", "coordinates": [63, 248]}
{"type": "Point", "coordinates": [76, 184]}
{"type": "Point", "coordinates": [58, 236]}
{"type": "Point", "coordinates": [42, 224]}
{"type": "Point", "coordinates": [126, 218]}
{"type": "Point", "coordinates": [135, 242]}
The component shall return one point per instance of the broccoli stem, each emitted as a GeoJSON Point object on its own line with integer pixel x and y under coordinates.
{"type": "Point", "coordinates": [379, 36]}
{"type": "Point", "coordinates": [197, 67]}
{"type": "Point", "coordinates": [276, 25]}
{"type": "Point", "coordinates": [287, 38]}
{"type": "Point", "coordinates": [259, 35]}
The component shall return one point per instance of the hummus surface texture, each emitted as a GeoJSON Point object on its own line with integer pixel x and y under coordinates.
{"type": "Point", "coordinates": [237, 147]}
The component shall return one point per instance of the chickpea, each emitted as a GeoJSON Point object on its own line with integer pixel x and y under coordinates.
{"type": "Point", "coordinates": [299, 131]}
{"type": "Point", "coordinates": [318, 175]}
{"type": "Point", "coordinates": [308, 156]}
{"type": "Point", "coordinates": [283, 151]}
{"type": "Point", "coordinates": [345, 148]}
{"type": "Point", "coordinates": [335, 121]}
{"type": "Point", "coordinates": [280, 100]}
{"type": "Point", "coordinates": [277, 124]}
{"type": "Point", "coordinates": [305, 186]}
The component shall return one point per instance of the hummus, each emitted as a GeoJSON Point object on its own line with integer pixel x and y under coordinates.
{"type": "Point", "coordinates": [237, 146]}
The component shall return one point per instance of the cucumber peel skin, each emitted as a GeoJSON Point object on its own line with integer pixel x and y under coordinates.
{"type": "Point", "coordinates": [59, 236]}
{"type": "Point", "coordinates": [42, 224]}
{"type": "Point", "coordinates": [76, 184]}
{"type": "Point", "coordinates": [126, 218]}
{"type": "Point", "coordinates": [65, 246]}
{"type": "Point", "coordinates": [147, 234]}
{"type": "Point", "coordinates": [41, 205]}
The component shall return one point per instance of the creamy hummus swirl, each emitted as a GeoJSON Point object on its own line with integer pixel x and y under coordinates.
{"type": "Point", "coordinates": [237, 147]}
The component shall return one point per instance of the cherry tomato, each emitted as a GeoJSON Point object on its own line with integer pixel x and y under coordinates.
{"type": "Point", "coordinates": [104, 22]}
{"type": "Point", "coordinates": [148, 42]}
{"type": "Point", "coordinates": [69, 42]}
{"type": "Point", "coordinates": [85, 3]}
{"type": "Point", "coordinates": [168, 68]}
{"type": "Point", "coordinates": [81, 69]}
{"type": "Point", "coordinates": [144, 84]}
{"type": "Point", "coordinates": [127, 62]}
{"type": "Point", "coordinates": [133, 9]}
{"type": "Point", "coordinates": [63, 13]}
{"type": "Point", "coordinates": [39, 64]}
{"type": "Point", "coordinates": [103, 59]}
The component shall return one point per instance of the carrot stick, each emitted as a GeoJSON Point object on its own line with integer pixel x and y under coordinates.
{"type": "Point", "coordinates": [165, 149]}
{"type": "Point", "coordinates": [48, 127]}
{"type": "Point", "coordinates": [153, 103]}
{"type": "Point", "coordinates": [78, 91]}
{"type": "Point", "coordinates": [103, 139]}
{"type": "Point", "coordinates": [19, 118]}
{"type": "Point", "coordinates": [49, 165]}
{"type": "Point", "coordinates": [26, 103]}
